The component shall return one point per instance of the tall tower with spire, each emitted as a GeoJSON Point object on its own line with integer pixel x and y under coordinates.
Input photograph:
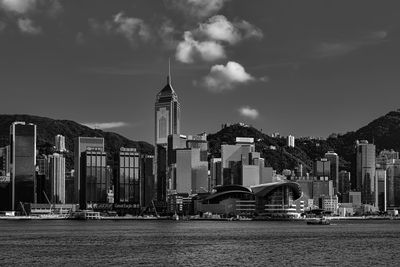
{"type": "Point", "coordinates": [167, 122]}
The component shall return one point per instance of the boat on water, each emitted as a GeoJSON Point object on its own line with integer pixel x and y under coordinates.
{"type": "Point", "coordinates": [320, 221]}
{"type": "Point", "coordinates": [175, 217]}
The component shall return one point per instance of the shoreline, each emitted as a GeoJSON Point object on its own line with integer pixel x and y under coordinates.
{"type": "Point", "coordinates": [355, 218]}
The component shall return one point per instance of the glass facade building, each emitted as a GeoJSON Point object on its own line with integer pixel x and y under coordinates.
{"type": "Point", "coordinates": [22, 163]}
{"type": "Point", "coordinates": [365, 172]}
{"type": "Point", "coordinates": [81, 144]}
{"type": "Point", "coordinates": [147, 179]}
{"type": "Point", "coordinates": [167, 122]}
{"type": "Point", "coordinates": [95, 178]}
{"type": "Point", "coordinates": [127, 186]}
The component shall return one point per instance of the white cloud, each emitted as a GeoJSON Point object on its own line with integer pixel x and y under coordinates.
{"type": "Point", "coordinates": [249, 112]}
{"type": "Point", "coordinates": [106, 125]}
{"type": "Point", "coordinates": [21, 12]}
{"type": "Point", "coordinates": [133, 29]}
{"type": "Point", "coordinates": [197, 8]}
{"type": "Point", "coordinates": [222, 78]}
{"type": "Point", "coordinates": [218, 28]}
{"type": "Point", "coordinates": [28, 26]}
{"type": "Point", "coordinates": [23, 7]}
{"type": "Point", "coordinates": [207, 41]}
{"type": "Point", "coordinates": [189, 49]}
{"type": "Point", "coordinates": [18, 6]}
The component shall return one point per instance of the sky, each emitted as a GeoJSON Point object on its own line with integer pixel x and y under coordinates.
{"type": "Point", "coordinates": [306, 68]}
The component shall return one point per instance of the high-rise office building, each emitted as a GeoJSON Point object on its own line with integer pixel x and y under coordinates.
{"type": "Point", "coordinates": [215, 172]}
{"type": "Point", "coordinates": [57, 178]}
{"type": "Point", "coordinates": [334, 172]}
{"type": "Point", "coordinates": [290, 141]}
{"type": "Point", "coordinates": [167, 122]}
{"type": "Point", "coordinates": [392, 168]}
{"type": "Point", "coordinates": [381, 189]}
{"type": "Point", "coordinates": [200, 142]}
{"type": "Point", "coordinates": [191, 173]}
{"type": "Point", "coordinates": [69, 187]}
{"type": "Point", "coordinates": [322, 168]}
{"type": "Point", "coordinates": [344, 186]}
{"type": "Point", "coordinates": [187, 164]}
{"type": "Point", "coordinates": [365, 171]}
{"type": "Point", "coordinates": [147, 180]}
{"type": "Point", "coordinates": [127, 178]}
{"type": "Point", "coordinates": [242, 165]}
{"type": "Point", "coordinates": [42, 179]}
{"type": "Point", "coordinates": [81, 144]}
{"type": "Point", "coordinates": [22, 163]}
{"type": "Point", "coordinates": [95, 177]}
{"type": "Point", "coordinates": [60, 143]}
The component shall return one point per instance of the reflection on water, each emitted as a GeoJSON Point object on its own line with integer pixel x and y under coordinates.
{"type": "Point", "coordinates": [198, 243]}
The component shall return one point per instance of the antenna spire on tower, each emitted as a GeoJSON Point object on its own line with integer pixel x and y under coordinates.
{"type": "Point", "coordinates": [169, 71]}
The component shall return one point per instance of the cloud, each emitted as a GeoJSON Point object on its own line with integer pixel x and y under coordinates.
{"type": "Point", "coordinates": [207, 42]}
{"type": "Point", "coordinates": [248, 112]}
{"type": "Point", "coordinates": [167, 33]}
{"type": "Point", "coordinates": [106, 125]}
{"type": "Point", "coordinates": [18, 6]}
{"type": "Point", "coordinates": [223, 78]}
{"type": "Point", "coordinates": [21, 12]}
{"type": "Point", "coordinates": [339, 48]}
{"type": "Point", "coordinates": [218, 28]}
{"type": "Point", "coordinates": [24, 7]}
{"type": "Point", "coordinates": [27, 26]}
{"type": "Point", "coordinates": [132, 29]}
{"type": "Point", "coordinates": [189, 49]}
{"type": "Point", "coordinates": [196, 9]}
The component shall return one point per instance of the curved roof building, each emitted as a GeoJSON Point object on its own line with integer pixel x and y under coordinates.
{"type": "Point", "coordinates": [276, 199]}
{"type": "Point", "coordinates": [266, 200]}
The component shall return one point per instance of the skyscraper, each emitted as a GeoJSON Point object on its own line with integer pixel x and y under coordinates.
{"type": "Point", "coordinates": [127, 179]}
{"type": "Point", "coordinates": [322, 169]}
{"type": "Point", "coordinates": [290, 141]}
{"type": "Point", "coordinates": [22, 163]}
{"type": "Point", "coordinates": [57, 178]}
{"type": "Point", "coordinates": [95, 177]}
{"type": "Point", "coordinates": [147, 179]}
{"type": "Point", "coordinates": [334, 172]}
{"type": "Point", "coordinates": [167, 122]}
{"type": "Point", "coordinates": [365, 171]}
{"type": "Point", "coordinates": [60, 143]}
{"type": "Point", "coordinates": [81, 144]}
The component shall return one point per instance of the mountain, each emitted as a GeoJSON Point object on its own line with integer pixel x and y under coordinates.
{"type": "Point", "coordinates": [384, 132]}
{"type": "Point", "coordinates": [48, 128]}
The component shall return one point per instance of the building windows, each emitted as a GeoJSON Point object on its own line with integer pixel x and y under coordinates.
{"type": "Point", "coordinates": [162, 128]}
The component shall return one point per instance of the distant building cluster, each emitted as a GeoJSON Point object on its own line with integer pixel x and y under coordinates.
{"type": "Point", "coordinates": [183, 178]}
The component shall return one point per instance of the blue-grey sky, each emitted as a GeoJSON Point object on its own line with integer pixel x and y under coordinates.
{"type": "Point", "coordinates": [307, 68]}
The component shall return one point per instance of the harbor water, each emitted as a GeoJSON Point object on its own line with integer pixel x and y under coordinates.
{"type": "Point", "coordinates": [199, 243]}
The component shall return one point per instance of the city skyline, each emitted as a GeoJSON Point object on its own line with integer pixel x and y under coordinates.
{"type": "Point", "coordinates": [230, 62]}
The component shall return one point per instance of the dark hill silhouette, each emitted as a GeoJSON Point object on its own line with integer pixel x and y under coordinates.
{"type": "Point", "coordinates": [48, 128]}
